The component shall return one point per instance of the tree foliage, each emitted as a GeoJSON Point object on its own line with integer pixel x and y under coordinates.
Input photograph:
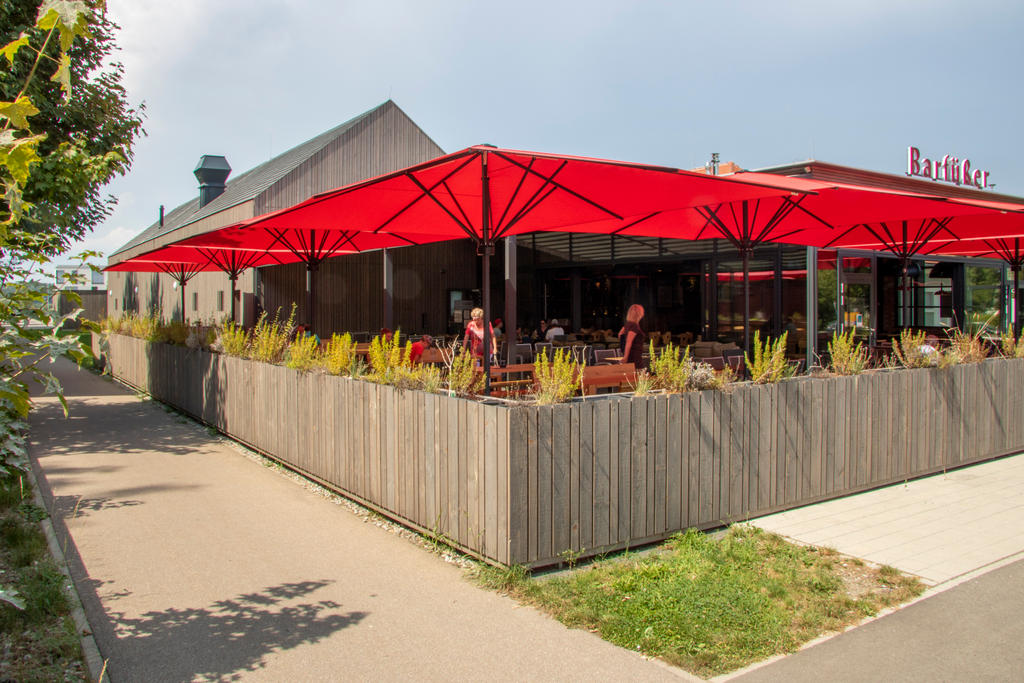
{"type": "Point", "coordinates": [65, 130]}
{"type": "Point", "coordinates": [59, 73]}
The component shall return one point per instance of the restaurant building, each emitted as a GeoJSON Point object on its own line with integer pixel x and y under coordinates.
{"type": "Point", "coordinates": [691, 290]}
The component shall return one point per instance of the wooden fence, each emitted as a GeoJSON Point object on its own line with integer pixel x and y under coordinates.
{"type": "Point", "coordinates": [523, 484]}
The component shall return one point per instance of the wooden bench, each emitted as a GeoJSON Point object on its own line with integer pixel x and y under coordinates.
{"type": "Point", "coordinates": [615, 377]}
{"type": "Point", "coordinates": [501, 385]}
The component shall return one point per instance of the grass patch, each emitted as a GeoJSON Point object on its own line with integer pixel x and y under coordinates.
{"type": "Point", "coordinates": [39, 643]}
{"type": "Point", "coordinates": [713, 606]}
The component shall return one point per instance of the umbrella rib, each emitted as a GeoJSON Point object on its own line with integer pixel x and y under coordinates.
{"type": "Point", "coordinates": [784, 209]}
{"type": "Point", "coordinates": [533, 201]}
{"type": "Point", "coordinates": [444, 208]}
{"type": "Point", "coordinates": [458, 205]}
{"type": "Point", "coordinates": [811, 213]}
{"type": "Point", "coordinates": [424, 190]}
{"type": "Point", "coordinates": [634, 223]}
{"type": "Point", "coordinates": [560, 186]}
{"type": "Point", "coordinates": [524, 213]}
{"type": "Point", "coordinates": [515, 193]}
{"type": "Point", "coordinates": [831, 242]}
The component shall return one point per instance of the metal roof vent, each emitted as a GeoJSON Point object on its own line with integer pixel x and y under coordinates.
{"type": "Point", "coordinates": [212, 172]}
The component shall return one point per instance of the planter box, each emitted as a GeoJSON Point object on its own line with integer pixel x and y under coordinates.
{"type": "Point", "coordinates": [521, 484]}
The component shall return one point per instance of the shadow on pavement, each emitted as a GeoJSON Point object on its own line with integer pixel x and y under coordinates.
{"type": "Point", "coordinates": [226, 638]}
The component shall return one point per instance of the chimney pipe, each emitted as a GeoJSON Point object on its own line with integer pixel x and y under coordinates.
{"type": "Point", "coordinates": [212, 172]}
{"type": "Point", "coordinates": [161, 215]}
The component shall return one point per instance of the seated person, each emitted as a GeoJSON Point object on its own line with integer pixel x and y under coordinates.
{"type": "Point", "coordinates": [554, 330]}
{"type": "Point", "coordinates": [302, 330]}
{"type": "Point", "coordinates": [417, 349]}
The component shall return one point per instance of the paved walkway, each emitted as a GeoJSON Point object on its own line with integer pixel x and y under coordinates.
{"type": "Point", "coordinates": [938, 528]}
{"type": "Point", "coordinates": [196, 563]}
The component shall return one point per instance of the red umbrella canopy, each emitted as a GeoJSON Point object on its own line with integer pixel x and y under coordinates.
{"type": "Point", "coordinates": [820, 214]}
{"type": "Point", "coordinates": [176, 257]}
{"type": "Point", "coordinates": [487, 193]}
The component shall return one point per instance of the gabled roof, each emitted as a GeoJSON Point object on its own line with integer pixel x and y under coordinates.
{"type": "Point", "coordinates": [250, 184]}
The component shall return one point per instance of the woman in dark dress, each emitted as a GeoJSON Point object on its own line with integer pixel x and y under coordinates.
{"type": "Point", "coordinates": [632, 339]}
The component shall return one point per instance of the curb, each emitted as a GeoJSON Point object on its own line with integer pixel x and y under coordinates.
{"type": "Point", "coordinates": [93, 659]}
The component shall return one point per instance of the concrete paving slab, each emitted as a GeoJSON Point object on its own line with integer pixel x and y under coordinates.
{"type": "Point", "coordinates": [939, 527]}
{"type": "Point", "coordinates": [197, 563]}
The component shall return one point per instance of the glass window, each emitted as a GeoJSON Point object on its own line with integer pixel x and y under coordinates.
{"type": "Point", "coordinates": [828, 292]}
{"type": "Point", "coordinates": [794, 300]}
{"type": "Point", "coordinates": [982, 298]}
{"type": "Point", "coordinates": [731, 299]}
{"type": "Point", "coordinates": [220, 300]}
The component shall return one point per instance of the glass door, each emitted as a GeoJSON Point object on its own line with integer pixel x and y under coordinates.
{"type": "Point", "coordinates": [857, 296]}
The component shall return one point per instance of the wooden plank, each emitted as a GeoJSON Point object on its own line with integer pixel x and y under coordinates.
{"type": "Point", "coordinates": [737, 430]}
{"type": "Point", "coordinates": [491, 466]}
{"type": "Point", "coordinates": [462, 426]}
{"type": "Point", "coordinates": [587, 478]}
{"type": "Point", "coordinates": [674, 427]}
{"type": "Point", "coordinates": [623, 457]}
{"type": "Point", "coordinates": [561, 471]}
{"type": "Point", "coordinates": [574, 476]}
{"type": "Point", "coordinates": [722, 452]}
{"type": "Point", "coordinates": [638, 468]}
{"type": "Point", "coordinates": [533, 479]}
{"type": "Point", "coordinates": [602, 473]}
{"type": "Point", "coordinates": [545, 545]}
{"type": "Point", "coordinates": [657, 426]}
{"type": "Point", "coordinates": [503, 463]}
{"type": "Point", "coordinates": [706, 483]}
{"type": "Point", "coordinates": [518, 486]}
{"type": "Point", "coordinates": [694, 441]}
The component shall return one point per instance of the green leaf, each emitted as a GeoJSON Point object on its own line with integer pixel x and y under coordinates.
{"type": "Point", "coordinates": [11, 597]}
{"type": "Point", "coordinates": [69, 17]}
{"type": "Point", "coordinates": [11, 48]}
{"type": "Point", "coordinates": [17, 112]}
{"type": "Point", "coordinates": [63, 74]}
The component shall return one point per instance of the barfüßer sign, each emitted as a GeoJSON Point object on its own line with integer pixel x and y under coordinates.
{"type": "Point", "coordinates": [948, 168]}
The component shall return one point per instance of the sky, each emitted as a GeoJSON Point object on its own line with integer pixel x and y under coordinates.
{"type": "Point", "coordinates": [664, 82]}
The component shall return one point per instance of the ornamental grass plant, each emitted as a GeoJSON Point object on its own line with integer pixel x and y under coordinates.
{"type": "Point", "coordinates": [463, 378]}
{"type": "Point", "coordinates": [849, 357]}
{"type": "Point", "coordinates": [303, 354]}
{"type": "Point", "coordinates": [769, 364]}
{"type": "Point", "coordinates": [269, 339]}
{"type": "Point", "coordinates": [340, 354]}
{"type": "Point", "coordinates": [911, 350]}
{"type": "Point", "coordinates": [233, 340]}
{"type": "Point", "coordinates": [676, 372]}
{"type": "Point", "coordinates": [557, 379]}
{"type": "Point", "coordinates": [1010, 346]}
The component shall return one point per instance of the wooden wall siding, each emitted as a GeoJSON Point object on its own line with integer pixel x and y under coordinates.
{"type": "Point", "coordinates": [524, 484]}
{"type": "Point", "coordinates": [157, 292]}
{"type": "Point", "coordinates": [350, 288]}
{"type": "Point", "coordinates": [381, 143]}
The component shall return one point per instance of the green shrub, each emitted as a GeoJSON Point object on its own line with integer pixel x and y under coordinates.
{"type": "Point", "coordinates": [848, 357]}
{"type": "Point", "coordinates": [967, 348]}
{"type": "Point", "coordinates": [270, 338]}
{"type": "Point", "coordinates": [176, 332]}
{"type": "Point", "coordinates": [769, 364]}
{"type": "Point", "coordinates": [644, 383]}
{"type": "Point", "coordinates": [340, 354]}
{"type": "Point", "coordinates": [558, 378]}
{"type": "Point", "coordinates": [304, 353]}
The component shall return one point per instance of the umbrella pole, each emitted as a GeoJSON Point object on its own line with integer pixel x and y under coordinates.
{"type": "Point", "coordinates": [486, 247]}
{"type": "Point", "coordinates": [310, 299]}
{"type": "Point", "coordinates": [234, 279]}
{"type": "Point", "coordinates": [182, 283]}
{"type": "Point", "coordinates": [1016, 300]}
{"type": "Point", "coordinates": [746, 300]}
{"type": "Point", "coordinates": [905, 277]}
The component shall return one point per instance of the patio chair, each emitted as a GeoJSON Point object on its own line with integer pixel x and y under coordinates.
{"type": "Point", "coordinates": [734, 359]}
{"type": "Point", "coordinates": [601, 356]}
{"type": "Point", "coordinates": [543, 346]}
{"type": "Point", "coordinates": [522, 353]}
{"type": "Point", "coordinates": [716, 362]}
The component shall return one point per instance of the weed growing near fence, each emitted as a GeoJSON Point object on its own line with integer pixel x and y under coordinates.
{"type": "Point", "coordinates": [769, 364]}
{"type": "Point", "coordinates": [849, 357]}
{"type": "Point", "coordinates": [557, 379]}
{"type": "Point", "coordinates": [713, 606]}
{"type": "Point", "coordinates": [967, 348]}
